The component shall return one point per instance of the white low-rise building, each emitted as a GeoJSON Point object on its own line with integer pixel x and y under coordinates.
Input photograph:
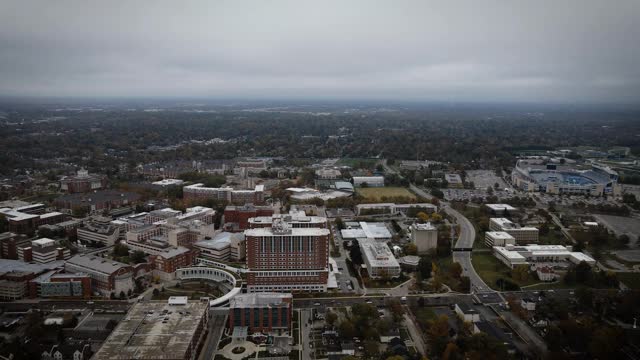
{"type": "Point", "coordinates": [225, 246]}
{"type": "Point", "coordinates": [367, 230]}
{"type": "Point", "coordinates": [498, 238]}
{"type": "Point", "coordinates": [540, 255]}
{"type": "Point", "coordinates": [467, 313]}
{"type": "Point", "coordinates": [523, 235]}
{"type": "Point", "coordinates": [379, 259]}
{"type": "Point", "coordinates": [501, 209]}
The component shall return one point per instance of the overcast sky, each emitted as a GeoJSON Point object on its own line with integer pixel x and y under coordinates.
{"type": "Point", "coordinates": [540, 51]}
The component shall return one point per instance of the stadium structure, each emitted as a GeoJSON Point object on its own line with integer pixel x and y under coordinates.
{"type": "Point", "coordinates": [540, 175]}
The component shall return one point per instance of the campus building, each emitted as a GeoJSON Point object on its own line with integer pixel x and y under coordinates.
{"type": "Point", "coordinates": [261, 312]}
{"type": "Point", "coordinates": [296, 219]}
{"type": "Point", "coordinates": [540, 255]}
{"type": "Point", "coordinates": [379, 259]}
{"type": "Point", "coordinates": [391, 208]}
{"type": "Point", "coordinates": [22, 221]}
{"type": "Point", "coordinates": [501, 209]}
{"type": "Point", "coordinates": [9, 243]}
{"type": "Point", "coordinates": [522, 235]}
{"type": "Point", "coordinates": [82, 182]}
{"type": "Point", "coordinates": [284, 258]}
{"type": "Point", "coordinates": [366, 230]}
{"type": "Point", "coordinates": [43, 251]}
{"type": "Point", "coordinates": [236, 218]}
{"type": "Point", "coordinates": [107, 276]}
{"type": "Point", "coordinates": [228, 194]}
{"type": "Point", "coordinates": [326, 177]}
{"type": "Point", "coordinates": [498, 238]}
{"type": "Point", "coordinates": [54, 284]}
{"type": "Point", "coordinates": [425, 236]}
{"type": "Point", "coordinates": [224, 247]}
{"type": "Point", "coordinates": [99, 230]}
{"type": "Point", "coordinates": [454, 181]}
{"type": "Point", "coordinates": [96, 201]}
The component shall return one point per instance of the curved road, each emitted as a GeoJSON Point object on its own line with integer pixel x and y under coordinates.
{"type": "Point", "coordinates": [466, 237]}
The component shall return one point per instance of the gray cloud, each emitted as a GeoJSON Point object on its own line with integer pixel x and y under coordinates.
{"type": "Point", "coordinates": [561, 51]}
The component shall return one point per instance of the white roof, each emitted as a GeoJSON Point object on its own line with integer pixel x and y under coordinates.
{"type": "Point", "coordinates": [423, 227]}
{"type": "Point", "coordinates": [502, 222]}
{"type": "Point", "coordinates": [16, 215]}
{"type": "Point", "coordinates": [166, 182]}
{"type": "Point", "coordinates": [375, 230]}
{"type": "Point", "coordinates": [578, 257]}
{"type": "Point", "coordinates": [501, 207]}
{"type": "Point", "coordinates": [511, 255]}
{"type": "Point", "coordinates": [378, 254]}
{"type": "Point", "coordinates": [43, 242]}
{"type": "Point", "coordinates": [294, 232]}
{"type": "Point", "coordinates": [499, 235]}
{"type": "Point", "coordinates": [178, 300]}
{"type": "Point", "coordinates": [220, 241]}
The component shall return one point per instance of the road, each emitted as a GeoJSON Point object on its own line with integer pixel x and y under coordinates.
{"type": "Point", "coordinates": [305, 341]}
{"type": "Point", "coordinates": [344, 278]}
{"type": "Point", "coordinates": [216, 327]}
{"type": "Point", "coordinates": [416, 334]}
{"type": "Point", "coordinates": [466, 237]}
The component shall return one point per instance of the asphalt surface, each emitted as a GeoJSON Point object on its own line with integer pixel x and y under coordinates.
{"type": "Point", "coordinates": [216, 327]}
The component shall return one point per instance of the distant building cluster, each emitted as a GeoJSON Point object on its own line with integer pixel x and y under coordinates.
{"type": "Point", "coordinates": [228, 194]}
{"type": "Point", "coordinates": [96, 201]}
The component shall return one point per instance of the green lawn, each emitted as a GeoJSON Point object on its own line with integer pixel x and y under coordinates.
{"type": "Point", "coordinates": [632, 280]}
{"type": "Point", "coordinates": [490, 269]}
{"type": "Point", "coordinates": [377, 193]}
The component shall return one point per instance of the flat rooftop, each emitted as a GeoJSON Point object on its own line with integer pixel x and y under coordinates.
{"type": "Point", "coordinates": [499, 235]}
{"type": "Point", "coordinates": [260, 300]}
{"type": "Point", "coordinates": [291, 232]}
{"type": "Point", "coordinates": [377, 254]}
{"type": "Point", "coordinates": [501, 207]}
{"type": "Point", "coordinates": [154, 330]}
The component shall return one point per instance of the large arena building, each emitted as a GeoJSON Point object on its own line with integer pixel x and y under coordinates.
{"type": "Point", "coordinates": [540, 175]}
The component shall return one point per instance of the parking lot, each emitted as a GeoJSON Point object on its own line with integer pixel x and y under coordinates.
{"type": "Point", "coordinates": [485, 178]}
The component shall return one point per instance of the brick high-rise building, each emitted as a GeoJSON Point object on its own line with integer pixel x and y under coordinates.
{"type": "Point", "coordinates": [283, 258]}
